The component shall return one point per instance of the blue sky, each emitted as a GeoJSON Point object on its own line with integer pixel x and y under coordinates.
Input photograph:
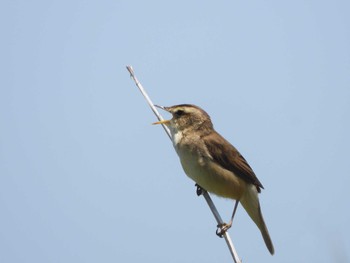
{"type": "Point", "coordinates": [84, 177]}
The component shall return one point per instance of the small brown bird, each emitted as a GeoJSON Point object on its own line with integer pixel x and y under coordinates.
{"type": "Point", "coordinates": [213, 163]}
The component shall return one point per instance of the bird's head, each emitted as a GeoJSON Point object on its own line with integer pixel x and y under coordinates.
{"type": "Point", "coordinates": [187, 117]}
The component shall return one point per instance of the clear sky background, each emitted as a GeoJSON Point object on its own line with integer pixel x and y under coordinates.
{"type": "Point", "coordinates": [85, 177]}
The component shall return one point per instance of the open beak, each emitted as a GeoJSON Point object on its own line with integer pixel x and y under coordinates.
{"type": "Point", "coordinates": [161, 122]}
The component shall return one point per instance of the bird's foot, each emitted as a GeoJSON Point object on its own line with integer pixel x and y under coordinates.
{"type": "Point", "coordinates": [199, 190]}
{"type": "Point", "coordinates": [222, 228]}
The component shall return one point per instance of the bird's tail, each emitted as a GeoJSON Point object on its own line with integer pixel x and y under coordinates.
{"type": "Point", "coordinates": [250, 202]}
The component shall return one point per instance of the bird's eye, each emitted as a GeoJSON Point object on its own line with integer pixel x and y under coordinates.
{"type": "Point", "coordinates": [179, 113]}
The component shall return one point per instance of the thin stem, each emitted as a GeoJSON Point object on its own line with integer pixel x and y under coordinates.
{"type": "Point", "coordinates": [204, 192]}
{"type": "Point", "coordinates": [148, 99]}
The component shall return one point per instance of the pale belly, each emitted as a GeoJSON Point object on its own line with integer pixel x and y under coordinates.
{"type": "Point", "coordinates": [211, 176]}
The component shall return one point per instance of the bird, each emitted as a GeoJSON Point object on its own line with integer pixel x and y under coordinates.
{"type": "Point", "coordinates": [214, 164]}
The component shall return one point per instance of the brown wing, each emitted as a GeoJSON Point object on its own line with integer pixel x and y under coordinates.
{"type": "Point", "coordinates": [229, 158]}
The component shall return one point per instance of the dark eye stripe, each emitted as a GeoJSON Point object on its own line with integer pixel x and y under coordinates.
{"type": "Point", "coordinates": [179, 113]}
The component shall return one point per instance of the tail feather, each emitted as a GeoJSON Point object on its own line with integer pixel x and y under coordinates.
{"type": "Point", "coordinates": [250, 202]}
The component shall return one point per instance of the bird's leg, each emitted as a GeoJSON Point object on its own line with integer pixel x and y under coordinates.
{"type": "Point", "coordinates": [199, 190]}
{"type": "Point", "coordinates": [222, 228]}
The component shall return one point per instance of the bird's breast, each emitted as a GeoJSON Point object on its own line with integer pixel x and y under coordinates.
{"type": "Point", "coordinates": [201, 168]}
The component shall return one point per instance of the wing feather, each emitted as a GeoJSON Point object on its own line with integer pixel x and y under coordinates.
{"type": "Point", "coordinates": [229, 157]}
